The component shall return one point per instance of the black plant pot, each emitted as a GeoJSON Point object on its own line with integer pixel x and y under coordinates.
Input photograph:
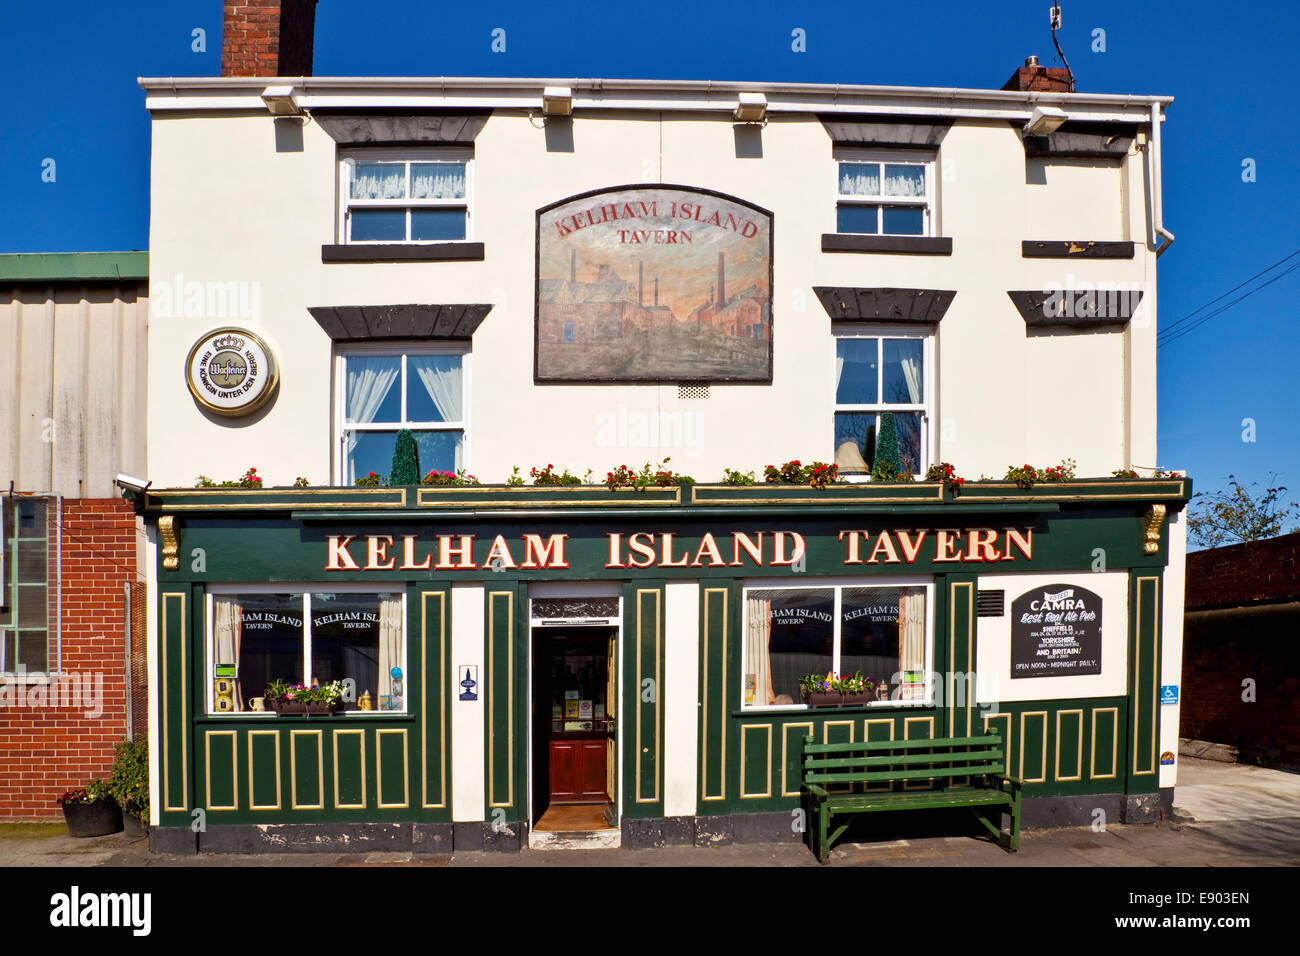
{"type": "Point", "coordinates": [133, 826]}
{"type": "Point", "coordinates": [93, 819]}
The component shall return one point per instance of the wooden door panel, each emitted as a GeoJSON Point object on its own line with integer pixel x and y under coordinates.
{"type": "Point", "coordinates": [592, 779]}
{"type": "Point", "coordinates": [566, 759]}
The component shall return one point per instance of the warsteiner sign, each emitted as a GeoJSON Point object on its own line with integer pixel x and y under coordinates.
{"type": "Point", "coordinates": [231, 372]}
{"type": "Point", "coordinates": [1055, 632]}
{"type": "Point", "coordinates": [661, 283]}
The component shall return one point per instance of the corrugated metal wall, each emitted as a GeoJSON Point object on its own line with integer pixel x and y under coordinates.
{"type": "Point", "coordinates": [73, 379]}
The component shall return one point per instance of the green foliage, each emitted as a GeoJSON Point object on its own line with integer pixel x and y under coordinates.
{"type": "Point", "coordinates": [1026, 476]}
{"type": "Point", "coordinates": [1238, 514]}
{"type": "Point", "coordinates": [371, 480]}
{"type": "Point", "coordinates": [130, 778]}
{"type": "Point", "coordinates": [548, 476]}
{"type": "Point", "coordinates": [96, 791]}
{"type": "Point", "coordinates": [301, 482]}
{"type": "Point", "coordinates": [888, 465]}
{"type": "Point", "coordinates": [947, 473]}
{"type": "Point", "coordinates": [660, 477]}
{"type": "Point", "coordinates": [738, 477]}
{"type": "Point", "coordinates": [460, 477]}
{"type": "Point", "coordinates": [515, 478]}
{"type": "Point", "coordinates": [406, 460]}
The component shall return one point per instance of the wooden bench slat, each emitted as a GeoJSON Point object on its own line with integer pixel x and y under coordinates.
{"type": "Point", "coordinates": [878, 776]}
{"type": "Point", "coordinates": [821, 763]}
{"type": "Point", "coordinates": [919, 800]}
{"type": "Point", "coordinates": [936, 742]}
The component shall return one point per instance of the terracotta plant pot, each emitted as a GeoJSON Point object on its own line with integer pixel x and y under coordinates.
{"type": "Point", "coordinates": [93, 819]}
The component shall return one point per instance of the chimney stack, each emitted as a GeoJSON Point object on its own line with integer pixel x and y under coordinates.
{"type": "Point", "coordinates": [1045, 79]}
{"type": "Point", "coordinates": [722, 280]}
{"type": "Point", "coordinates": [573, 265]}
{"type": "Point", "coordinates": [640, 283]}
{"type": "Point", "coordinates": [268, 37]}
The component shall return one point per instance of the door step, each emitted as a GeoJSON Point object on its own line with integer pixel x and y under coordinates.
{"type": "Point", "coordinates": [606, 839]}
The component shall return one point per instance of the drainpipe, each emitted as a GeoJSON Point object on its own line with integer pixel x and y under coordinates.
{"type": "Point", "coordinates": [1157, 188]}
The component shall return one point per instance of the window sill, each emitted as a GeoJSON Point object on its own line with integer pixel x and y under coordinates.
{"type": "Point", "coordinates": [906, 245]}
{"type": "Point", "coordinates": [850, 709]}
{"type": "Point", "coordinates": [404, 252]}
{"type": "Point", "coordinates": [1075, 249]}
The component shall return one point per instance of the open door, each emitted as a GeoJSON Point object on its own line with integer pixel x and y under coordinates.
{"type": "Point", "coordinates": [611, 730]}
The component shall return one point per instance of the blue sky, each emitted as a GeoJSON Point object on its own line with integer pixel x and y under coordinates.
{"type": "Point", "coordinates": [68, 73]}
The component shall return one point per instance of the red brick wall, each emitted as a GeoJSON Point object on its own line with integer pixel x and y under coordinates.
{"type": "Point", "coordinates": [48, 741]}
{"type": "Point", "coordinates": [1256, 571]}
{"type": "Point", "coordinates": [268, 37]}
{"type": "Point", "coordinates": [1221, 649]}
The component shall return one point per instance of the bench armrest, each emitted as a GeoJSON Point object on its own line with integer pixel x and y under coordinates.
{"type": "Point", "coordinates": [816, 790]}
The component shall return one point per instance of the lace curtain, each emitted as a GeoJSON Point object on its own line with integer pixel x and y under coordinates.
{"type": "Point", "coordinates": [390, 642]}
{"type": "Point", "coordinates": [227, 628]}
{"type": "Point", "coordinates": [442, 379]}
{"type": "Point", "coordinates": [758, 629]}
{"type": "Point", "coordinates": [369, 380]}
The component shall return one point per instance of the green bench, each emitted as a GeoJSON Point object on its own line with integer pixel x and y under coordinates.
{"type": "Point", "coordinates": [940, 772]}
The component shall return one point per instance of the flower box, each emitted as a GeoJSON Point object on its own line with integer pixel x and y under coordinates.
{"type": "Point", "coordinates": [292, 708]}
{"type": "Point", "coordinates": [93, 819]}
{"type": "Point", "coordinates": [834, 699]}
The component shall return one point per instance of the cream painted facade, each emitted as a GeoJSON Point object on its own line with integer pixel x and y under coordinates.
{"type": "Point", "coordinates": [235, 201]}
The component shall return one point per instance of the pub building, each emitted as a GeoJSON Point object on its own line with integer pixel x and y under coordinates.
{"type": "Point", "coordinates": [565, 275]}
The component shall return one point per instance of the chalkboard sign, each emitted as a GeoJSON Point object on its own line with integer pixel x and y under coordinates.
{"type": "Point", "coordinates": [1056, 632]}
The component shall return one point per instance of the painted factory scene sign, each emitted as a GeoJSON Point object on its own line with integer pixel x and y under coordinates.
{"type": "Point", "coordinates": [654, 284]}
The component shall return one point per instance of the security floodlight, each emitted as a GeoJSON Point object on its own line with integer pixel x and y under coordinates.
{"type": "Point", "coordinates": [557, 101]}
{"type": "Point", "coordinates": [281, 101]}
{"type": "Point", "coordinates": [752, 108]}
{"type": "Point", "coordinates": [1044, 120]}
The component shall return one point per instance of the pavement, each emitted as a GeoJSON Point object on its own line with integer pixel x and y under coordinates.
{"type": "Point", "coordinates": [1224, 815]}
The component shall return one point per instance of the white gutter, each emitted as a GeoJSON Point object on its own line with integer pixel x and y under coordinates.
{"type": "Point", "coordinates": [226, 93]}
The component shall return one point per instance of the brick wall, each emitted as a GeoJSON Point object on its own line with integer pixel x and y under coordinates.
{"type": "Point", "coordinates": [268, 37]}
{"type": "Point", "coordinates": [1249, 573]}
{"type": "Point", "coordinates": [51, 739]}
{"type": "Point", "coordinates": [1221, 650]}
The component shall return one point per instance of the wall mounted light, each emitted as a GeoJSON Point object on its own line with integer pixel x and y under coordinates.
{"type": "Point", "coordinates": [752, 108]}
{"type": "Point", "coordinates": [281, 101]}
{"type": "Point", "coordinates": [1044, 120]}
{"type": "Point", "coordinates": [557, 101]}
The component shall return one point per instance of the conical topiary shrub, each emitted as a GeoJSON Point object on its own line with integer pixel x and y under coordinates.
{"type": "Point", "coordinates": [889, 460]}
{"type": "Point", "coordinates": [406, 460]}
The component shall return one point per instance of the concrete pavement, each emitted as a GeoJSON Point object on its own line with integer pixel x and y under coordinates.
{"type": "Point", "coordinates": [1225, 815]}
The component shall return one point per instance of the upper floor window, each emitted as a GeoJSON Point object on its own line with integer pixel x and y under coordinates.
{"type": "Point", "coordinates": [385, 390]}
{"type": "Point", "coordinates": [883, 387]}
{"type": "Point", "coordinates": [421, 196]}
{"type": "Point", "coordinates": [882, 195]}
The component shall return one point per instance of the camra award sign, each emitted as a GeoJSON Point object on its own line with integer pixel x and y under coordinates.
{"type": "Point", "coordinates": [654, 283]}
{"type": "Point", "coordinates": [1056, 632]}
{"type": "Point", "coordinates": [231, 372]}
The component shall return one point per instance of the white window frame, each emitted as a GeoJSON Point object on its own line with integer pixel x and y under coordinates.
{"type": "Point", "coordinates": [867, 331]}
{"type": "Point", "coordinates": [839, 584]}
{"type": "Point", "coordinates": [893, 157]}
{"type": "Point", "coordinates": [341, 426]}
{"type": "Point", "coordinates": [303, 591]}
{"type": "Point", "coordinates": [10, 672]}
{"type": "Point", "coordinates": [347, 165]}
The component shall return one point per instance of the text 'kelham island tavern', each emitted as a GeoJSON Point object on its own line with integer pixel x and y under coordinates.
{"type": "Point", "coordinates": [572, 275]}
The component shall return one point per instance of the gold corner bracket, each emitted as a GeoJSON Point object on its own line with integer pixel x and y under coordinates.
{"type": "Point", "coordinates": [1155, 518]}
{"type": "Point", "coordinates": [170, 543]}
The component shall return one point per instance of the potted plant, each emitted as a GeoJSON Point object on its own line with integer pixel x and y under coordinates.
{"type": "Point", "coordinates": [838, 690]}
{"type": "Point", "coordinates": [288, 699]}
{"type": "Point", "coordinates": [91, 810]}
{"type": "Point", "coordinates": [130, 785]}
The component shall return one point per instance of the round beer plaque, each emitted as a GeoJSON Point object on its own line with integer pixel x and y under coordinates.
{"type": "Point", "coordinates": [231, 372]}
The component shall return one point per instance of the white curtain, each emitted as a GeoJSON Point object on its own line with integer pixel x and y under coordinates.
{"type": "Point", "coordinates": [912, 375]}
{"type": "Point", "coordinates": [758, 628]}
{"type": "Point", "coordinates": [441, 377]}
{"type": "Point", "coordinates": [911, 629]}
{"type": "Point", "coordinates": [379, 181]}
{"type": "Point", "coordinates": [437, 181]}
{"type": "Point", "coordinates": [390, 643]}
{"type": "Point", "coordinates": [227, 629]}
{"type": "Point", "coordinates": [369, 380]}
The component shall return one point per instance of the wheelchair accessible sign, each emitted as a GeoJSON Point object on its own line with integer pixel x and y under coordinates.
{"type": "Point", "coordinates": [1169, 694]}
